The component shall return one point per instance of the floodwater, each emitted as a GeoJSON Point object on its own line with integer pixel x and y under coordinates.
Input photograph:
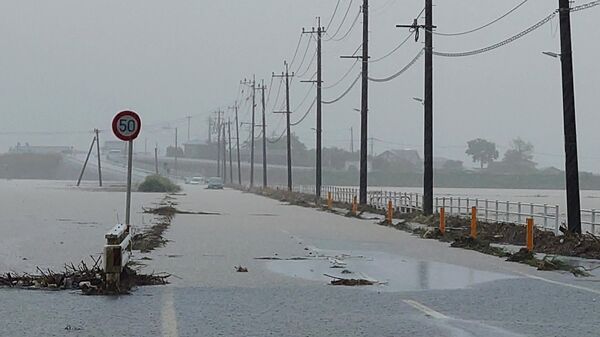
{"type": "Point", "coordinates": [589, 199]}
{"type": "Point", "coordinates": [390, 272]}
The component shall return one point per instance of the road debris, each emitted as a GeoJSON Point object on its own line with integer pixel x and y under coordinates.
{"type": "Point", "coordinates": [240, 269]}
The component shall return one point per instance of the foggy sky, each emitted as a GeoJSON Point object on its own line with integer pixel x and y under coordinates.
{"type": "Point", "coordinates": [67, 66]}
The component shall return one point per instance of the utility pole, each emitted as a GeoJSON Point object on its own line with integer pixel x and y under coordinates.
{"type": "Point", "coordinates": [318, 160]}
{"type": "Point", "coordinates": [237, 139]}
{"type": "Point", "coordinates": [252, 85]}
{"type": "Point", "coordinates": [230, 153]}
{"type": "Point", "coordinates": [219, 112]}
{"type": "Point", "coordinates": [156, 159]}
{"type": "Point", "coordinates": [176, 152]}
{"type": "Point", "coordinates": [86, 161]}
{"type": "Point", "coordinates": [264, 135]}
{"type": "Point", "coordinates": [210, 121]}
{"type": "Point", "coordinates": [98, 153]}
{"type": "Point", "coordinates": [288, 129]}
{"type": "Point", "coordinates": [372, 141]}
{"type": "Point", "coordinates": [428, 105]}
{"type": "Point", "coordinates": [224, 154]}
{"type": "Point", "coordinates": [570, 130]}
{"type": "Point", "coordinates": [189, 118]}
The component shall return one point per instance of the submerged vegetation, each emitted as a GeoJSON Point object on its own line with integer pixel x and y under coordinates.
{"type": "Point", "coordinates": [157, 183]}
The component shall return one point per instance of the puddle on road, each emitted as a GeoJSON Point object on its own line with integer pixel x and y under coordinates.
{"type": "Point", "coordinates": [396, 272]}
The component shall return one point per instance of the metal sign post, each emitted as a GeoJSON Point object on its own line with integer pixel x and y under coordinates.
{"type": "Point", "coordinates": [127, 126]}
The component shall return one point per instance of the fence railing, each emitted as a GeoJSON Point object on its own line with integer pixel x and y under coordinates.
{"type": "Point", "coordinates": [545, 215]}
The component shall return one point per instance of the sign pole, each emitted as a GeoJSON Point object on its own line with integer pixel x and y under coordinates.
{"type": "Point", "coordinates": [129, 170]}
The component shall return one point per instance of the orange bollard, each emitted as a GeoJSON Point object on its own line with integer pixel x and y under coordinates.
{"type": "Point", "coordinates": [329, 200]}
{"type": "Point", "coordinates": [443, 220]}
{"type": "Point", "coordinates": [530, 234]}
{"type": "Point", "coordinates": [354, 206]}
{"type": "Point", "coordinates": [390, 212]}
{"type": "Point", "coordinates": [474, 222]}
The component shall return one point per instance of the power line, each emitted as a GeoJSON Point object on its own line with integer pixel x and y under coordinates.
{"type": "Point", "coordinates": [486, 25]}
{"type": "Point", "coordinates": [341, 23]}
{"type": "Point", "coordinates": [305, 98]}
{"type": "Point", "coordinates": [410, 64]}
{"type": "Point", "coordinates": [345, 92]}
{"type": "Point", "coordinates": [312, 61]}
{"type": "Point", "coordinates": [305, 114]}
{"type": "Point", "coordinates": [304, 55]}
{"type": "Point", "coordinates": [393, 50]}
{"type": "Point", "coordinates": [337, 5]}
{"type": "Point", "coordinates": [349, 29]}
{"type": "Point", "coordinates": [585, 6]}
{"type": "Point", "coordinates": [502, 43]}
{"type": "Point", "coordinates": [297, 49]}
{"type": "Point", "coordinates": [343, 77]}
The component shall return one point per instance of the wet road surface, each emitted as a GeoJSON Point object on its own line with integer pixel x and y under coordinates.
{"type": "Point", "coordinates": [427, 288]}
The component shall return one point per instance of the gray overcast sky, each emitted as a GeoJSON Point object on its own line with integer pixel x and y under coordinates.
{"type": "Point", "coordinates": [69, 65]}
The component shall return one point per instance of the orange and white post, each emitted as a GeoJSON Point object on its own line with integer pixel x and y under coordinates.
{"type": "Point", "coordinates": [329, 200]}
{"type": "Point", "coordinates": [390, 212]}
{"type": "Point", "coordinates": [354, 206]}
{"type": "Point", "coordinates": [474, 222]}
{"type": "Point", "coordinates": [443, 220]}
{"type": "Point", "coordinates": [530, 234]}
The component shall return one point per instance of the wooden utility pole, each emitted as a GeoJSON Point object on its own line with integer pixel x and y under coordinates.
{"type": "Point", "coordinates": [176, 152]}
{"type": "Point", "coordinates": [318, 160]}
{"type": "Point", "coordinates": [237, 139]}
{"type": "Point", "coordinates": [98, 154]}
{"type": "Point", "coordinates": [428, 106]}
{"type": "Point", "coordinates": [219, 112]}
{"type": "Point", "coordinates": [224, 154]}
{"type": "Point", "coordinates": [264, 135]}
{"type": "Point", "coordinates": [230, 153]}
{"type": "Point", "coordinates": [252, 85]}
{"type": "Point", "coordinates": [351, 140]}
{"type": "Point", "coordinates": [86, 161]}
{"type": "Point", "coordinates": [287, 76]}
{"type": "Point", "coordinates": [570, 130]}
{"type": "Point", "coordinates": [156, 159]}
{"type": "Point", "coordinates": [189, 119]}
{"type": "Point", "coordinates": [364, 106]}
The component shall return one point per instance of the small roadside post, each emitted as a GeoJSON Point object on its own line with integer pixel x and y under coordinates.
{"type": "Point", "coordinates": [126, 126]}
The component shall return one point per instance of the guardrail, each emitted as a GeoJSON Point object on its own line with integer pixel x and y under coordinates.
{"type": "Point", "coordinates": [116, 253]}
{"type": "Point", "coordinates": [545, 215]}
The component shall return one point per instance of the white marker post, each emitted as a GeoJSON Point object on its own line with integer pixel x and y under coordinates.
{"type": "Point", "coordinates": [127, 126]}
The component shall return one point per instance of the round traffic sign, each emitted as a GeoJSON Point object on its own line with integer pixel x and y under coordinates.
{"type": "Point", "coordinates": [127, 125]}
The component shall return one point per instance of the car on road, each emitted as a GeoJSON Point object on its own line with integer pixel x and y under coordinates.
{"type": "Point", "coordinates": [196, 181]}
{"type": "Point", "coordinates": [215, 183]}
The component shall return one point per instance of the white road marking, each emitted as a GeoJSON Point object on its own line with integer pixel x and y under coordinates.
{"type": "Point", "coordinates": [426, 310]}
{"type": "Point", "coordinates": [169, 319]}
{"type": "Point", "coordinates": [594, 291]}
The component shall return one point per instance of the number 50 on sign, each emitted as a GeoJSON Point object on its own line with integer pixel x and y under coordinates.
{"type": "Point", "coordinates": [127, 125]}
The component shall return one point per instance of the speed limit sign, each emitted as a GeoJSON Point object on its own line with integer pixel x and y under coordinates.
{"type": "Point", "coordinates": [127, 125]}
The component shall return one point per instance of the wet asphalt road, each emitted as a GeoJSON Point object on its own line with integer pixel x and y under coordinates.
{"type": "Point", "coordinates": [430, 289]}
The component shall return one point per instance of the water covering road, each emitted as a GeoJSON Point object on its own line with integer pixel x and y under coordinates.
{"type": "Point", "coordinates": [427, 288]}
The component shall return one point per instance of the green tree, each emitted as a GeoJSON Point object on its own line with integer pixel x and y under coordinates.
{"type": "Point", "coordinates": [519, 154]}
{"type": "Point", "coordinates": [482, 151]}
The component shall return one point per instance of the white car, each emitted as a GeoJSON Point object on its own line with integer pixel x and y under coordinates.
{"type": "Point", "coordinates": [196, 181]}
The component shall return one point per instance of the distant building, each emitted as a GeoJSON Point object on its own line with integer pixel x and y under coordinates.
{"type": "Point", "coordinates": [42, 149]}
{"type": "Point", "coordinates": [112, 146]}
{"type": "Point", "coordinates": [406, 160]}
{"type": "Point", "coordinates": [200, 149]}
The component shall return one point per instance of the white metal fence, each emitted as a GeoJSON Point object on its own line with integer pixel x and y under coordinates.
{"type": "Point", "coordinates": [545, 215]}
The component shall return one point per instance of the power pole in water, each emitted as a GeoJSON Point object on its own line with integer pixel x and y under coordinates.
{"type": "Point", "coordinates": [428, 105]}
{"type": "Point", "coordinates": [351, 140]}
{"type": "Point", "coordinates": [252, 85]}
{"type": "Point", "coordinates": [98, 153]}
{"type": "Point", "coordinates": [86, 161]}
{"type": "Point", "coordinates": [287, 76]}
{"type": "Point", "coordinates": [224, 154]}
{"type": "Point", "coordinates": [176, 152]}
{"type": "Point", "coordinates": [189, 118]}
{"type": "Point", "coordinates": [264, 135]}
{"type": "Point", "coordinates": [570, 130]}
{"type": "Point", "coordinates": [230, 153]}
{"type": "Point", "coordinates": [318, 160]}
{"type": "Point", "coordinates": [219, 112]}
{"type": "Point", "coordinates": [237, 139]}
{"type": "Point", "coordinates": [156, 159]}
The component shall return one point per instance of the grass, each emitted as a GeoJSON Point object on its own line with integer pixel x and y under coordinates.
{"type": "Point", "coordinates": [157, 183]}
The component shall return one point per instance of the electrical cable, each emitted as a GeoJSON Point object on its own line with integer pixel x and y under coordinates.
{"type": "Point", "coordinates": [345, 92]}
{"type": "Point", "coordinates": [349, 30]}
{"type": "Point", "coordinates": [305, 114]}
{"type": "Point", "coordinates": [341, 23]}
{"type": "Point", "coordinates": [484, 26]}
{"type": "Point", "coordinates": [297, 49]}
{"type": "Point", "coordinates": [499, 44]}
{"type": "Point", "coordinates": [393, 50]}
{"type": "Point", "coordinates": [304, 56]}
{"type": "Point", "coordinates": [343, 77]}
{"type": "Point", "coordinates": [334, 13]}
{"type": "Point", "coordinates": [410, 64]}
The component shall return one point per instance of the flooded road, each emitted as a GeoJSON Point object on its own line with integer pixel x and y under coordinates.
{"type": "Point", "coordinates": [426, 288]}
